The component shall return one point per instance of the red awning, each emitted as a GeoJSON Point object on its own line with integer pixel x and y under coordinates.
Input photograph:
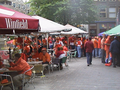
{"type": "Point", "coordinates": [12, 21]}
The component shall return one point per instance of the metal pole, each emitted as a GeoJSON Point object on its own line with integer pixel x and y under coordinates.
{"type": "Point", "coordinates": [47, 40]}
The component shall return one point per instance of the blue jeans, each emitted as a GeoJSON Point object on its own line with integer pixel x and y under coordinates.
{"type": "Point", "coordinates": [79, 51]}
{"type": "Point", "coordinates": [89, 57]}
{"type": "Point", "coordinates": [94, 52]}
{"type": "Point", "coordinates": [99, 52]}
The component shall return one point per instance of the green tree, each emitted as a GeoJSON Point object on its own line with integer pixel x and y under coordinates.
{"type": "Point", "coordinates": [65, 11]}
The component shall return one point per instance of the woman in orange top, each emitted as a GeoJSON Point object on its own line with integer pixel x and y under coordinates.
{"type": "Point", "coordinates": [107, 46]}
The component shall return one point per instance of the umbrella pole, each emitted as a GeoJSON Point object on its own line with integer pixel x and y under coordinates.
{"type": "Point", "coordinates": [23, 41]}
{"type": "Point", "coordinates": [37, 42]}
{"type": "Point", "coordinates": [47, 40]}
{"type": "Point", "coordinates": [68, 41]}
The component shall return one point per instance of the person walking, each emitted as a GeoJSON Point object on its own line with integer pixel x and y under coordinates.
{"type": "Point", "coordinates": [89, 48]}
{"type": "Point", "coordinates": [79, 43]}
{"type": "Point", "coordinates": [115, 50]}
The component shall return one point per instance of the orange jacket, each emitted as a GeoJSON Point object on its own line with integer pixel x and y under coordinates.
{"type": "Point", "coordinates": [21, 66]}
{"type": "Point", "coordinates": [95, 43]}
{"type": "Point", "coordinates": [99, 43]}
{"type": "Point", "coordinates": [45, 58]}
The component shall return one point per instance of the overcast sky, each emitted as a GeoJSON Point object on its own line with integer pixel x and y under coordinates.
{"type": "Point", "coordinates": [25, 0]}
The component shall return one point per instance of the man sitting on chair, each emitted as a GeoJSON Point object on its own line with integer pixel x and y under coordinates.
{"type": "Point", "coordinates": [20, 66]}
{"type": "Point", "coordinates": [45, 57]}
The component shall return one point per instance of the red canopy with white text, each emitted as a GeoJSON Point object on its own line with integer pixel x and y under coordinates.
{"type": "Point", "coordinates": [12, 21]}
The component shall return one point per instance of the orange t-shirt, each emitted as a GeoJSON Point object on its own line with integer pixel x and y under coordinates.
{"type": "Point", "coordinates": [44, 42]}
{"type": "Point", "coordinates": [45, 58]}
{"type": "Point", "coordinates": [27, 48]}
{"type": "Point", "coordinates": [36, 55]}
{"type": "Point", "coordinates": [99, 43]}
{"type": "Point", "coordinates": [95, 43]}
{"type": "Point", "coordinates": [23, 56]}
{"type": "Point", "coordinates": [107, 42]}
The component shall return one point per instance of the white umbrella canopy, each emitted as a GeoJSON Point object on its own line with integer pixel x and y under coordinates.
{"type": "Point", "coordinates": [73, 31]}
{"type": "Point", "coordinates": [48, 26]}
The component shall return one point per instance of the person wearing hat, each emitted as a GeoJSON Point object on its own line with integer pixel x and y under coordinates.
{"type": "Point", "coordinates": [58, 43]}
{"type": "Point", "coordinates": [115, 50]}
{"type": "Point", "coordinates": [45, 57]}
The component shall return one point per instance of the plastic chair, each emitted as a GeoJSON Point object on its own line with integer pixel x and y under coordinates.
{"type": "Point", "coordinates": [38, 69]}
{"type": "Point", "coordinates": [73, 54]}
{"type": "Point", "coordinates": [28, 79]}
{"type": "Point", "coordinates": [68, 54]}
{"type": "Point", "coordinates": [64, 59]}
{"type": "Point", "coordinates": [8, 83]}
{"type": "Point", "coordinates": [55, 61]}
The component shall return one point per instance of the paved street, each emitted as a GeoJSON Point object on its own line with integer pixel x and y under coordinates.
{"type": "Point", "coordinates": [78, 76]}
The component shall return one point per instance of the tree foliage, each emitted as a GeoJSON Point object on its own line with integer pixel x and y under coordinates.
{"type": "Point", "coordinates": [65, 11]}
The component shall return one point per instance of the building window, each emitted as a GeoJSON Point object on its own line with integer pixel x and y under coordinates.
{"type": "Point", "coordinates": [19, 6]}
{"type": "Point", "coordinates": [112, 12]}
{"type": "Point", "coordinates": [112, 0]}
{"type": "Point", "coordinates": [103, 12]}
{"type": "Point", "coordinates": [13, 4]}
{"type": "Point", "coordinates": [103, 0]}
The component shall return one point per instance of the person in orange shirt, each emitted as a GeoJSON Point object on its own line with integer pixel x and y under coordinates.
{"type": "Point", "coordinates": [14, 43]}
{"type": "Point", "coordinates": [95, 43]}
{"type": "Point", "coordinates": [78, 44]}
{"type": "Point", "coordinates": [72, 43]}
{"type": "Point", "coordinates": [108, 59]}
{"type": "Point", "coordinates": [44, 42]}
{"type": "Point", "coordinates": [99, 47]}
{"type": "Point", "coordinates": [58, 43]}
{"type": "Point", "coordinates": [28, 40]}
{"type": "Point", "coordinates": [20, 66]}
{"type": "Point", "coordinates": [24, 55]}
{"type": "Point", "coordinates": [45, 57]}
{"type": "Point", "coordinates": [35, 53]}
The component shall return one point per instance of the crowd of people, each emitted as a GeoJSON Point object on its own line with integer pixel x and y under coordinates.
{"type": "Point", "coordinates": [106, 47]}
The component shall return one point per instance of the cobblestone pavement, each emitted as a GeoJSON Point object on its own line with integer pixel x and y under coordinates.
{"type": "Point", "coordinates": [78, 76]}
